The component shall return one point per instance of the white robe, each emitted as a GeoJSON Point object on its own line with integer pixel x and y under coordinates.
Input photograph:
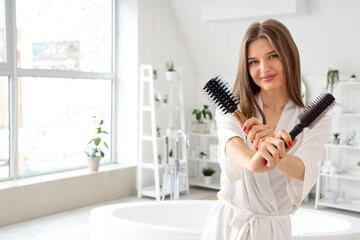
{"type": "Point", "coordinates": [258, 205]}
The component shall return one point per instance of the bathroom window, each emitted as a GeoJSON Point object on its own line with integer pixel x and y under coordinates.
{"type": "Point", "coordinates": [64, 34]}
{"type": "Point", "coordinates": [59, 76]}
{"type": "Point", "coordinates": [56, 121]}
{"type": "Point", "coordinates": [4, 127]}
{"type": "Point", "coordinates": [2, 14]}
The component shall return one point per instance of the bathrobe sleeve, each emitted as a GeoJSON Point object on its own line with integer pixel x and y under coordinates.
{"type": "Point", "coordinates": [310, 152]}
{"type": "Point", "coordinates": [228, 127]}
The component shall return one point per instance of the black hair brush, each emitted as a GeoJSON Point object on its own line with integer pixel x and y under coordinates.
{"type": "Point", "coordinates": [220, 94]}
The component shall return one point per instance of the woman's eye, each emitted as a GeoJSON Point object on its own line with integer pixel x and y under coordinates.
{"type": "Point", "coordinates": [274, 56]}
{"type": "Point", "coordinates": [252, 62]}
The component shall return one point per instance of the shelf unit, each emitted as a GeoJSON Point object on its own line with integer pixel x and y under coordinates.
{"type": "Point", "coordinates": [197, 179]}
{"type": "Point", "coordinates": [150, 145]}
{"type": "Point", "coordinates": [343, 155]}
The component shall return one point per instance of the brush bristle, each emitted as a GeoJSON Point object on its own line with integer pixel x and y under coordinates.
{"type": "Point", "coordinates": [317, 110]}
{"type": "Point", "coordinates": [220, 95]}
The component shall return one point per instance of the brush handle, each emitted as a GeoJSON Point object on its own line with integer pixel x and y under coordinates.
{"type": "Point", "coordinates": [296, 131]}
{"type": "Point", "coordinates": [239, 116]}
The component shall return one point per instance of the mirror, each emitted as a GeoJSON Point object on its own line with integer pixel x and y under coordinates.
{"type": "Point", "coordinates": [303, 92]}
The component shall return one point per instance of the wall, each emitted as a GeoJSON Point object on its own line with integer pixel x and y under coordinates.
{"type": "Point", "coordinates": [326, 37]}
{"type": "Point", "coordinates": [33, 197]}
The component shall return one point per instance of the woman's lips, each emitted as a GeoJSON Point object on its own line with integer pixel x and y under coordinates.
{"type": "Point", "coordinates": [268, 77]}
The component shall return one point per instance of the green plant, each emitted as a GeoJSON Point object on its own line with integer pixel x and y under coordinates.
{"type": "Point", "coordinates": [203, 154]}
{"type": "Point", "coordinates": [170, 66]}
{"type": "Point", "coordinates": [208, 171]}
{"type": "Point", "coordinates": [170, 153]}
{"type": "Point", "coordinates": [95, 150]}
{"type": "Point", "coordinates": [336, 135]}
{"type": "Point", "coordinates": [199, 114]}
{"type": "Point", "coordinates": [353, 76]}
{"type": "Point", "coordinates": [159, 156]}
{"type": "Point", "coordinates": [158, 129]}
{"type": "Point", "coordinates": [332, 80]}
{"type": "Point", "coordinates": [358, 163]}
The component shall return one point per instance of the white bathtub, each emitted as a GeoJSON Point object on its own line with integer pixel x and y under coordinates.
{"type": "Point", "coordinates": [172, 220]}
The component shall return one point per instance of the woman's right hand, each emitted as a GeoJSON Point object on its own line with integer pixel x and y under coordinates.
{"type": "Point", "coordinates": [257, 132]}
{"type": "Point", "coordinates": [271, 150]}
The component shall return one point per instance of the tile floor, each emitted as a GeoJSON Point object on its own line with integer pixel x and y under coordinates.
{"type": "Point", "coordinates": [74, 224]}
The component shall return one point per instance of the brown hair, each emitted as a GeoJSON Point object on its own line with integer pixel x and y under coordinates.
{"type": "Point", "coordinates": [280, 39]}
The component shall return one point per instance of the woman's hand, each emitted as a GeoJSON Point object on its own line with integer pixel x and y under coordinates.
{"type": "Point", "coordinates": [285, 136]}
{"type": "Point", "coordinates": [271, 151]}
{"type": "Point", "coordinates": [257, 132]}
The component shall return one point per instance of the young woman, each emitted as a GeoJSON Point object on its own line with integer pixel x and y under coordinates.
{"type": "Point", "coordinates": [256, 200]}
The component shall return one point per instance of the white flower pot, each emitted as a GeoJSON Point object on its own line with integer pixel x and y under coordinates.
{"type": "Point", "coordinates": [93, 163]}
{"type": "Point", "coordinates": [171, 76]}
{"type": "Point", "coordinates": [207, 180]}
{"type": "Point", "coordinates": [336, 141]}
{"type": "Point", "coordinates": [201, 127]}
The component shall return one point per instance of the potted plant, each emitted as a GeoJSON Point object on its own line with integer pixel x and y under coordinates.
{"type": "Point", "coordinates": [203, 155]}
{"type": "Point", "coordinates": [336, 139]}
{"type": "Point", "coordinates": [95, 151]}
{"type": "Point", "coordinates": [158, 134]}
{"type": "Point", "coordinates": [332, 80]}
{"type": "Point", "coordinates": [171, 73]}
{"type": "Point", "coordinates": [353, 78]}
{"type": "Point", "coordinates": [208, 172]}
{"type": "Point", "coordinates": [155, 74]}
{"type": "Point", "coordinates": [159, 158]}
{"type": "Point", "coordinates": [200, 115]}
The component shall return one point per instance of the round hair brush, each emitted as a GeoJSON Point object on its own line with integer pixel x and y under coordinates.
{"type": "Point", "coordinates": [311, 115]}
{"type": "Point", "coordinates": [219, 93]}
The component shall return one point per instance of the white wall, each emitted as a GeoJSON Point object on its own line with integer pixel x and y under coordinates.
{"type": "Point", "coordinates": [327, 37]}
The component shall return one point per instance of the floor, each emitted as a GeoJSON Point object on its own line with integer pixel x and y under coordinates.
{"type": "Point", "coordinates": [74, 224]}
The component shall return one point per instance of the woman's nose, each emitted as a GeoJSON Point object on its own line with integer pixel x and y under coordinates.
{"type": "Point", "coordinates": [264, 66]}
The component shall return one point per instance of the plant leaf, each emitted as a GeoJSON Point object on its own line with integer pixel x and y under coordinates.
{"type": "Point", "coordinates": [97, 141]}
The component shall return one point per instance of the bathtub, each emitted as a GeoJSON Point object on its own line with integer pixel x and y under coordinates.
{"type": "Point", "coordinates": [183, 220]}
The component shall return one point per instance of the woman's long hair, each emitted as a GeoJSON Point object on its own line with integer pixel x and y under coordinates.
{"type": "Point", "coordinates": [282, 42]}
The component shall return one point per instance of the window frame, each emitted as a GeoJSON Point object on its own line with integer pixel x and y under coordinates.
{"type": "Point", "coordinates": [10, 68]}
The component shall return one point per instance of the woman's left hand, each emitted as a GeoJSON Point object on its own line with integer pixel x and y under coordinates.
{"type": "Point", "coordinates": [257, 132]}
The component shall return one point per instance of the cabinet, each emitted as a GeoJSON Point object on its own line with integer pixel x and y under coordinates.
{"type": "Point", "coordinates": [206, 143]}
{"type": "Point", "coordinates": [342, 156]}
{"type": "Point", "coordinates": [157, 118]}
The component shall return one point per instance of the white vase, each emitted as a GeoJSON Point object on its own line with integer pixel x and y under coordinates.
{"type": "Point", "coordinates": [207, 180]}
{"type": "Point", "coordinates": [201, 127]}
{"type": "Point", "coordinates": [171, 76]}
{"type": "Point", "coordinates": [93, 163]}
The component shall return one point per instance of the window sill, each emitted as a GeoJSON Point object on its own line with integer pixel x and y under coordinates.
{"type": "Point", "coordinates": [62, 175]}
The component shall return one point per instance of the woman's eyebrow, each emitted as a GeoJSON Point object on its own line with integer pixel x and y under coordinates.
{"type": "Point", "coordinates": [271, 52]}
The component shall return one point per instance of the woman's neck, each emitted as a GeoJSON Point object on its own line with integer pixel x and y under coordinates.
{"type": "Point", "coordinates": [275, 100]}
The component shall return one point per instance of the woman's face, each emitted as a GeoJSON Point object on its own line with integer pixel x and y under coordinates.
{"type": "Point", "coordinates": [265, 66]}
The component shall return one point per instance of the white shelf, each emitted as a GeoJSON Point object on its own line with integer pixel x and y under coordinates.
{"type": "Point", "coordinates": [348, 114]}
{"type": "Point", "coordinates": [203, 134]}
{"type": "Point", "coordinates": [348, 83]}
{"type": "Point", "coordinates": [150, 191]}
{"type": "Point", "coordinates": [203, 160]}
{"type": "Point", "coordinates": [199, 182]}
{"type": "Point", "coordinates": [342, 146]}
{"type": "Point", "coordinates": [166, 81]}
{"type": "Point", "coordinates": [345, 175]}
{"type": "Point", "coordinates": [345, 204]}
{"type": "Point", "coordinates": [149, 164]}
